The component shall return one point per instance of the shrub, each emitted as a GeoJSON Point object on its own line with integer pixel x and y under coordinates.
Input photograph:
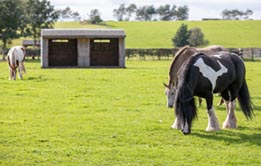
{"type": "Point", "coordinates": [196, 37]}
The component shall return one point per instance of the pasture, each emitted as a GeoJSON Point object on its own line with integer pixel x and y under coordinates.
{"type": "Point", "coordinates": [114, 117]}
{"type": "Point", "coordinates": [158, 34]}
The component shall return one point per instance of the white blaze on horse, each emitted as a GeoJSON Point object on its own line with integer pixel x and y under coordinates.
{"type": "Point", "coordinates": [15, 59]}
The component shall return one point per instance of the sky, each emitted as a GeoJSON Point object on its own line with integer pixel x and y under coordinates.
{"type": "Point", "coordinates": [198, 9]}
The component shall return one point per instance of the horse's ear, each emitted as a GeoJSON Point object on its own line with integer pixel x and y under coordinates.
{"type": "Point", "coordinates": [164, 84]}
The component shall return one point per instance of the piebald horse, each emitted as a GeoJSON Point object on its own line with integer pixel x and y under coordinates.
{"type": "Point", "coordinates": [204, 75]}
{"type": "Point", "coordinates": [15, 59]}
{"type": "Point", "coordinates": [180, 58]}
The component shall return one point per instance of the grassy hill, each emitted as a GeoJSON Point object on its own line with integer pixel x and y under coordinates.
{"type": "Point", "coordinates": [158, 34]}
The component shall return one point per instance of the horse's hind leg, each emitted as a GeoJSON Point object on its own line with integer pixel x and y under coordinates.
{"type": "Point", "coordinates": [231, 121]}
{"type": "Point", "coordinates": [10, 73]}
{"type": "Point", "coordinates": [212, 119]}
{"type": "Point", "coordinates": [20, 73]}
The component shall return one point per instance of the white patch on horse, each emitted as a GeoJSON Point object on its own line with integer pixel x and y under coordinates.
{"type": "Point", "coordinates": [217, 55]}
{"type": "Point", "coordinates": [210, 73]}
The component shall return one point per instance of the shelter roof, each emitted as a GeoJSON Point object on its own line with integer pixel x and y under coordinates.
{"type": "Point", "coordinates": [30, 43]}
{"type": "Point", "coordinates": [88, 33]}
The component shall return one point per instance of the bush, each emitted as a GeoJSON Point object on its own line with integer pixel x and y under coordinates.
{"type": "Point", "coordinates": [196, 37]}
{"type": "Point", "coordinates": [181, 37]}
{"type": "Point", "coordinates": [193, 37]}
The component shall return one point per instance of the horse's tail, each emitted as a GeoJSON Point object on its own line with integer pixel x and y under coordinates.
{"type": "Point", "coordinates": [245, 101]}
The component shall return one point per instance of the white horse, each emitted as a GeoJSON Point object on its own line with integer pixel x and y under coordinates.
{"type": "Point", "coordinates": [15, 59]}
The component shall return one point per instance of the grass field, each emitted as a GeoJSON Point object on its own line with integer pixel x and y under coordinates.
{"type": "Point", "coordinates": [158, 34]}
{"type": "Point", "coordinates": [114, 117]}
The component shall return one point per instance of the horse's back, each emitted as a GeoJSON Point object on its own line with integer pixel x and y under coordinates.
{"type": "Point", "coordinates": [17, 53]}
{"type": "Point", "coordinates": [212, 50]}
{"type": "Point", "coordinates": [221, 70]}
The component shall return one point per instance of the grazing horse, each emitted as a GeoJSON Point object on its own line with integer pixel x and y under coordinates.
{"type": "Point", "coordinates": [15, 59]}
{"type": "Point", "coordinates": [204, 75]}
{"type": "Point", "coordinates": [180, 58]}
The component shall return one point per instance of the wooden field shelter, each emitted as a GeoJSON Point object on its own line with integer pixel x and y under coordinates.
{"type": "Point", "coordinates": [82, 48]}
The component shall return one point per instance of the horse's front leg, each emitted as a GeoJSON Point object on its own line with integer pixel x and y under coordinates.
{"type": "Point", "coordinates": [177, 124]}
{"type": "Point", "coordinates": [231, 120]}
{"type": "Point", "coordinates": [212, 119]}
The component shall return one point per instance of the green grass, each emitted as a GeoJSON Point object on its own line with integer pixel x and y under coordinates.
{"type": "Point", "coordinates": [112, 117]}
{"type": "Point", "coordinates": [158, 34]}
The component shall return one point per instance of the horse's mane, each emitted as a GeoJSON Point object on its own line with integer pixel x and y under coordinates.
{"type": "Point", "coordinates": [177, 55]}
{"type": "Point", "coordinates": [184, 95]}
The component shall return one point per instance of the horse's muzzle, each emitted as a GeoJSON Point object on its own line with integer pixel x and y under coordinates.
{"type": "Point", "coordinates": [170, 106]}
{"type": "Point", "coordinates": [186, 132]}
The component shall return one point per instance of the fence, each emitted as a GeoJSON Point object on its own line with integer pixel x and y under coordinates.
{"type": "Point", "coordinates": [166, 54]}
{"type": "Point", "coordinates": [163, 53]}
{"type": "Point", "coordinates": [150, 54]}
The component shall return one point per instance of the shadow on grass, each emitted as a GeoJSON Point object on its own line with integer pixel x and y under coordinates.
{"type": "Point", "coordinates": [37, 79]}
{"type": "Point", "coordinates": [33, 61]}
{"type": "Point", "coordinates": [236, 136]}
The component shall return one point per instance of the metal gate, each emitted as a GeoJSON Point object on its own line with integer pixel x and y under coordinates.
{"type": "Point", "coordinates": [104, 52]}
{"type": "Point", "coordinates": [63, 52]}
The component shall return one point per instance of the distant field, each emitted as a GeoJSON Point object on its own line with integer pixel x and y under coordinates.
{"type": "Point", "coordinates": [158, 34]}
{"type": "Point", "coordinates": [232, 34]}
{"type": "Point", "coordinates": [114, 117]}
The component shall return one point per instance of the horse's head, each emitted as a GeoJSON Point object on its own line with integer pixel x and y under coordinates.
{"type": "Point", "coordinates": [170, 92]}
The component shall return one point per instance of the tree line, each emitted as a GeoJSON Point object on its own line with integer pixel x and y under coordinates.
{"type": "Point", "coordinates": [236, 14]}
{"type": "Point", "coordinates": [165, 12]}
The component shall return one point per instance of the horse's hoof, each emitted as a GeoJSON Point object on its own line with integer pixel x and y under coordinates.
{"type": "Point", "coordinates": [229, 126]}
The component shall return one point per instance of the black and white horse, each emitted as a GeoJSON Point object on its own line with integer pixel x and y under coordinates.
{"type": "Point", "coordinates": [204, 75]}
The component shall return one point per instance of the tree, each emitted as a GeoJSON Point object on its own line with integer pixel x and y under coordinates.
{"type": "Point", "coordinates": [120, 12]}
{"type": "Point", "coordinates": [193, 37]}
{"type": "Point", "coordinates": [196, 37]}
{"type": "Point", "coordinates": [64, 14]}
{"type": "Point", "coordinates": [166, 13]}
{"type": "Point", "coordinates": [236, 14]}
{"type": "Point", "coordinates": [182, 13]}
{"type": "Point", "coordinates": [12, 22]}
{"type": "Point", "coordinates": [145, 13]}
{"type": "Point", "coordinates": [95, 17]}
{"type": "Point", "coordinates": [181, 37]}
{"type": "Point", "coordinates": [132, 8]}
{"type": "Point", "coordinates": [67, 13]}
{"type": "Point", "coordinates": [41, 14]}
